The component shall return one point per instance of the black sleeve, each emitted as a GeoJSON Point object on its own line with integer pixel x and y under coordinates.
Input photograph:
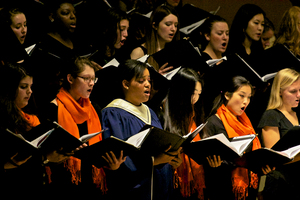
{"type": "Point", "coordinates": [269, 118]}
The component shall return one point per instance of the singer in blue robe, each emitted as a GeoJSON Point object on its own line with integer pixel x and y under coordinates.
{"type": "Point", "coordinates": [123, 118]}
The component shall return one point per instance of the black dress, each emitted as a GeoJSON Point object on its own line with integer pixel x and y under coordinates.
{"type": "Point", "coordinates": [282, 183]}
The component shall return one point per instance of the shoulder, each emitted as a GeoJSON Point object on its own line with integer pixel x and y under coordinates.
{"type": "Point", "coordinates": [214, 126]}
{"type": "Point", "coordinates": [205, 56]}
{"type": "Point", "coordinates": [137, 53]}
{"type": "Point", "coordinates": [270, 118]}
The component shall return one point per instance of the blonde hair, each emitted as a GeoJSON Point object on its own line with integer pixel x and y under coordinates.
{"type": "Point", "coordinates": [289, 32]}
{"type": "Point", "coordinates": [283, 79]}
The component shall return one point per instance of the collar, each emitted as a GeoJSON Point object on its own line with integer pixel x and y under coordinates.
{"type": "Point", "coordinates": [142, 112]}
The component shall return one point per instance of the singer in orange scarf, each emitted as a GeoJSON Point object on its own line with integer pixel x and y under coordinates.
{"type": "Point", "coordinates": [231, 120]}
{"type": "Point", "coordinates": [73, 110]}
{"type": "Point", "coordinates": [181, 116]}
{"type": "Point", "coordinates": [21, 173]}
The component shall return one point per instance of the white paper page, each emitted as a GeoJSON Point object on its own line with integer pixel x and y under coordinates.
{"type": "Point", "coordinates": [221, 137]}
{"type": "Point", "coordinates": [170, 74]}
{"type": "Point", "coordinates": [29, 49]}
{"type": "Point", "coordinates": [292, 152]}
{"type": "Point", "coordinates": [137, 139]}
{"type": "Point", "coordinates": [196, 131]}
{"type": "Point", "coordinates": [215, 61]}
{"type": "Point", "coordinates": [188, 29]}
{"type": "Point", "coordinates": [39, 141]}
{"type": "Point", "coordinates": [242, 142]}
{"type": "Point", "coordinates": [113, 62]}
{"type": "Point", "coordinates": [148, 15]}
{"type": "Point", "coordinates": [87, 137]}
{"type": "Point", "coordinates": [268, 76]}
{"type": "Point", "coordinates": [143, 58]}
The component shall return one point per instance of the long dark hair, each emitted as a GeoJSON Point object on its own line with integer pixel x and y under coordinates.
{"type": "Point", "coordinates": [178, 107]}
{"type": "Point", "coordinates": [240, 24]}
{"type": "Point", "coordinates": [111, 25]}
{"type": "Point", "coordinates": [229, 87]}
{"type": "Point", "coordinates": [11, 116]}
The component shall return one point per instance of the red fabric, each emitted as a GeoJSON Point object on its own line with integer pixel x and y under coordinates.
{"type": "Point", "coordinates": [190, 175]}
{"type": "Point", "coordinates": [238, 126]}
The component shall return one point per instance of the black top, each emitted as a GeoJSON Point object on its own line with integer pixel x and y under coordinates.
{"type": "Point", "coordinates": [275, 118]}
{"type": "Point", "coordinates": [215, 126]}
{"type": "Point", "coordinates": [282, 183]}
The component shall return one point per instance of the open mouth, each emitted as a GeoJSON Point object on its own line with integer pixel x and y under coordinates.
{"type": "Point", "coordinates": [147, 92]}
{"type": "Point", "coordinates": [89, 90]}
{"type": "Point", "coordinates": [224, 44]}
{"type": "Point", "coordinates": [73, 25]}
{"type": "Point", "coordinates": [122, 42]}
{"type": "Point", "coordinates": [243, 108]}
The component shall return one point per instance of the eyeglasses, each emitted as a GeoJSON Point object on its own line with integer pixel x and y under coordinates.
{"type": "Point", "coordinates": [88, 79]}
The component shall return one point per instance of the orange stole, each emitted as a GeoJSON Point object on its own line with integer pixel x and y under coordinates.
{"type": "Point", "coordinates": [189, 175]}
{"type": "Point", "coordinates": [71, 113]}
{"type": "Point", "coordinates": [238, 126]}
{"type": "Point", "coordinates": [32, 119]}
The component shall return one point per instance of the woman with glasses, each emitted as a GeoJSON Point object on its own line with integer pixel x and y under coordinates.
{"type": "Point", "coordinates": [73, 110]}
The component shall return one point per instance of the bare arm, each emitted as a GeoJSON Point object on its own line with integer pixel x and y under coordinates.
{"type": "Point", "coordinates": [270, 136]}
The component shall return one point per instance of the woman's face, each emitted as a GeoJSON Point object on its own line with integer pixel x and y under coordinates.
{"type": "Point", "coordinates": [167, 28]}
{"type": "Point", "coordinates": [197, 92]}
{"type": "Point", "coordinates": [138, 89]}
{"type": "Point", "coordinates": [291, 95]}
{"type": "Point", "coordinates": [24, 92]}
{"type": "Point", "coordinates": [266, 37]}
{"type": "Point", "coordinates": [82, 85]}
{"type": "Point", "coordinates": [19, 26]}
{"type": "Point", "coordinates": [239, 100]}
{"type": "Point", "coordinates": [255, 27]}
{"type": "Point", "coordinates": [122, 33]}
{"type": "Point", "coordinates": [66, 17]}
{"type": "Point", "coordinates": [219, 37]}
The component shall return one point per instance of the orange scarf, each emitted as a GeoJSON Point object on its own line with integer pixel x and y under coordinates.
{"type": "Point", "coordinates": [71, 113]}
{"type": "Point", "coordinates": [190, 175]}
{"type": "Point", "coordinates": [238, 126]}
{"type": "Point", "coordinates": [32, 119]}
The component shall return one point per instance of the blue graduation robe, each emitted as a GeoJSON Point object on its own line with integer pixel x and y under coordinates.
{"type": "Point", "coordinates": [133, 179]}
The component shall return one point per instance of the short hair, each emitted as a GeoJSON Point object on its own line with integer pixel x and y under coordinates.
{"type": "Point", "coordinates": [283, 79]}
{"type": "Point", "coordinates": [76, 67]}
{"type": "Point", "coordinates": [131, 69]}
